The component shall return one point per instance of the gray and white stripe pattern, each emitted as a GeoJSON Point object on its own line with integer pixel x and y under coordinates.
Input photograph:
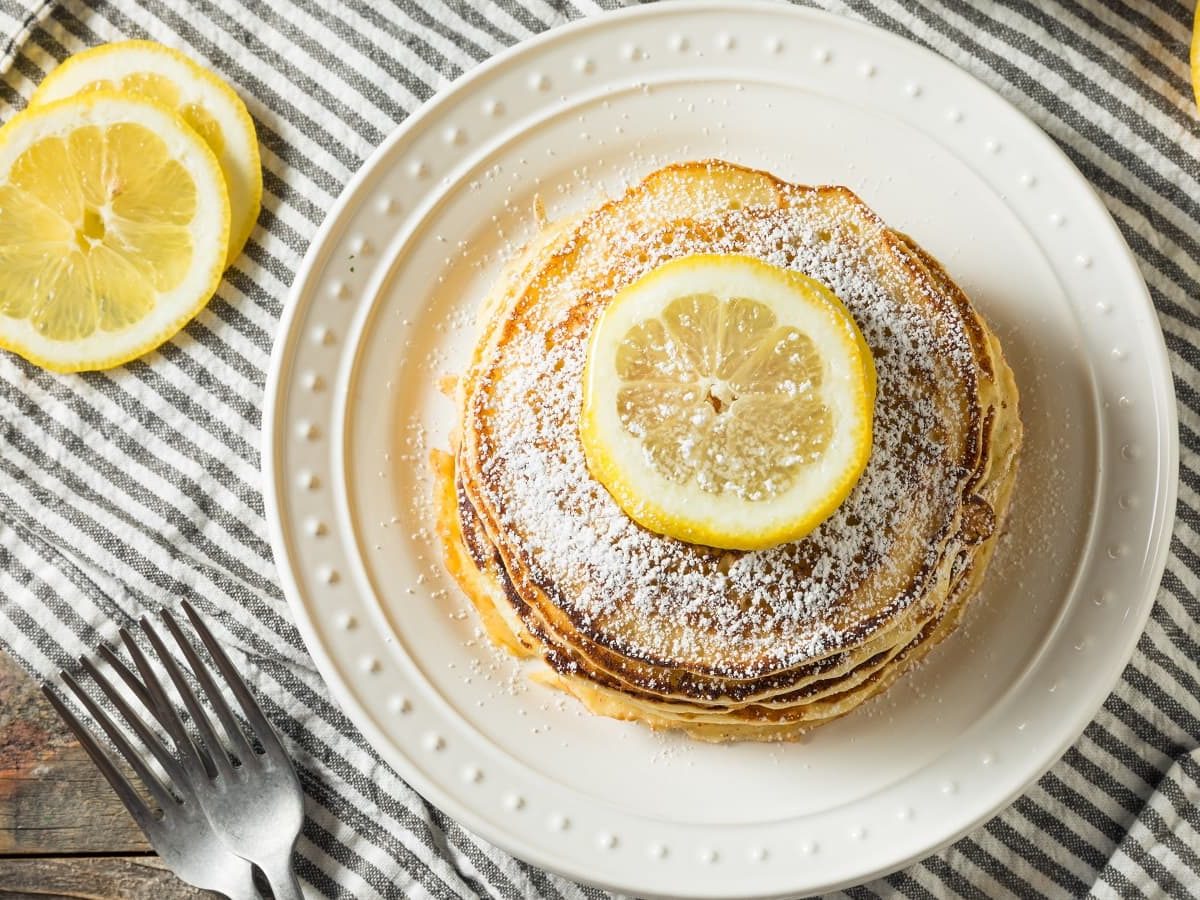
{"type": "Point", "coordinates": [118, 489]}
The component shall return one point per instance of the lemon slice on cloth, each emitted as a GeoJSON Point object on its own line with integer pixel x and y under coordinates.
{"type": "Point", "coordinates": [114, 224]}
{"type": "Point", "coordinates": [727, 402]}
{"type": "Point", "coordinates": [155, 72]}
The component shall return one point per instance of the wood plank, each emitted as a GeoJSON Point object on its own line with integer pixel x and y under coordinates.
{"type": "Point", "coordinates": [93, 878]}
{"type": "Point", "coordinates": [52, 798]}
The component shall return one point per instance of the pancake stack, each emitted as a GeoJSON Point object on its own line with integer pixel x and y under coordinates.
{"type": "Point", "coordinates": [726, 645]}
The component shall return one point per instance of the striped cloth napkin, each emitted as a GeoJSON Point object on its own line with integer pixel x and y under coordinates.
{"type": "Point", "coordinates": [120, 488]}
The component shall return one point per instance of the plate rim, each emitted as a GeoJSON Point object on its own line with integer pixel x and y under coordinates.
{"type": "Point", "coordinates": [283, 351]}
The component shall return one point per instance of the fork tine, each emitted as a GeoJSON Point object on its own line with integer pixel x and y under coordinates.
{"type": "Point", "coordinates": [161, 795]}
{"type": "Point", "coordinates": [250, 708]}
{"type": "Point", "coordinates": [233, 731]}
{"type": "Point", "coordinates": [145, 735]}
{"type": "Point", "coordinates": [150, 691]}
{"type": "Point", "coordinates": [216, 750]}
{"type": "Point", "coordinates": [120, 785]}
{"type": "Point", "coordinates": [161, 705]}
{"type": "Point", "coordinates": [136, 687]}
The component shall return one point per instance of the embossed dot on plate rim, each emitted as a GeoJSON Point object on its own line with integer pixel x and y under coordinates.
{"type": "Point", "coordinates": [401, 705]}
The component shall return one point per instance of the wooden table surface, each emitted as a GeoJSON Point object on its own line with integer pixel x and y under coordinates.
{"type": "Point", "coordinates": [63, 832]}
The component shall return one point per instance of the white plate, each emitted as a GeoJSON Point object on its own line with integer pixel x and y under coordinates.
{"type": "Point", "coordinates": [382, 307]}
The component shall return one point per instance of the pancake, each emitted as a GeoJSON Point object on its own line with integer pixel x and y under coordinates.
{"type": "Point", "coordinates": [726, 644]}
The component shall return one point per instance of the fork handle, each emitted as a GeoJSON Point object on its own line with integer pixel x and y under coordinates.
{"type": "Point", "coordinates": [235, 881]}
{"type": "Point", "coordinates": [283, 881]}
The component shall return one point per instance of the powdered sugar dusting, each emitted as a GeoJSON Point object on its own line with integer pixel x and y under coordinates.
{"type": "Point", "coordinates": [668, 602]}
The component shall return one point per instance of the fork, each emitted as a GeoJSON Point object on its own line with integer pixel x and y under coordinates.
{"type": "Point", "coordinates": [225, 804]}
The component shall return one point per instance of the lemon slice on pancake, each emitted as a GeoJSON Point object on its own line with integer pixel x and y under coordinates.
{"type": "Point", "coordinates": [727, 402]}
{"type": "Point", "coordinates": [114, 224]}
{"type": "Point", "coordinates": [155, 72]}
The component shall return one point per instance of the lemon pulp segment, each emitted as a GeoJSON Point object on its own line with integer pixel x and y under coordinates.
{"type": "Point", "coordinates": [162, 89]}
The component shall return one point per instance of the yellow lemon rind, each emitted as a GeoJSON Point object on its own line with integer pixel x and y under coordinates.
{"type": "Point", "coordinates": [1195, 56]}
